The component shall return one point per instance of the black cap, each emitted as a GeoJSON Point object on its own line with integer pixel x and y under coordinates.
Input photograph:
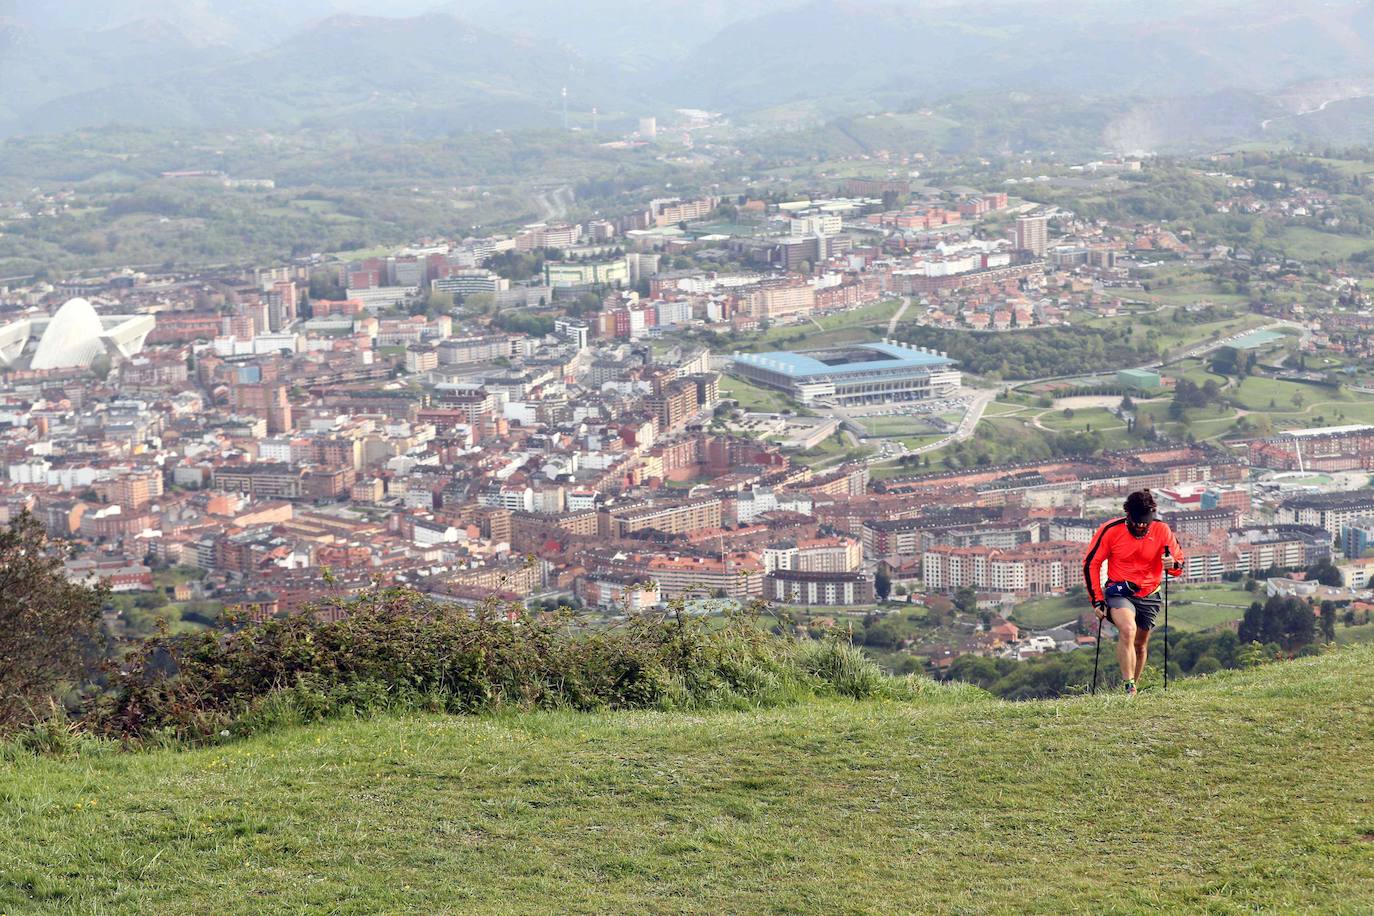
{"type": "Point", "coordinates": [1140, 516]}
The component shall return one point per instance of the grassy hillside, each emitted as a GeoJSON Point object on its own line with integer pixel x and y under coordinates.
{"type": "Point", "coordinates": [1191, 607]}
{"type": "Point", "coordinates": [1243, 791]}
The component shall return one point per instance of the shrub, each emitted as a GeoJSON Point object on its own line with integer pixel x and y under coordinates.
{"type": "Point", "coordinates": [1206, 665]}
{"type": "Point", "coordinates": [52, 734]}
{"type": "Point", "coordinates": [396, 649]}
{"type": "Point", "coordinates": [842, 667]}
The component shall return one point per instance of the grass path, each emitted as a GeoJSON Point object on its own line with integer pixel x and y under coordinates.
{"type": "Point", "coordinates": [1235, 793]}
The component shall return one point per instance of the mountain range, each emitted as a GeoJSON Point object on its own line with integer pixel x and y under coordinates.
{"type": "Point", "coordinates": [432, 66]}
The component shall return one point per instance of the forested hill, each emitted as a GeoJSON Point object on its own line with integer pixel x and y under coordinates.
{"type": "Point", "coordinates": [1204, 68]}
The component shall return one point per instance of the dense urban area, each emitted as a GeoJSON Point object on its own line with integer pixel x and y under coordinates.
{"type": "Point", "coordinates": [889, 407]}
{"type": "Point", "coordinates": [776, 456]}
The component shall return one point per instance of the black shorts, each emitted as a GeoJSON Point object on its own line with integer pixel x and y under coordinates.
{"type": "Point", "coordinates": [1146, 608]}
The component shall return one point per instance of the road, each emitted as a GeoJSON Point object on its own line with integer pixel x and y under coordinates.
{"type": "Point", "coordinates": [1264, 125]}
{"type": "Point", "coordinates": [981, 399]}
{"type": "Point", "coordinates": [967, 425]}
{"type": "Point", "coordinates": [892, 325]}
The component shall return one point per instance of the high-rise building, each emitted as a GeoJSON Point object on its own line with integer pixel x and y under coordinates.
{"type": "Point", "coordinates": [282, 303]}
{"type": "Point", "coordinates": [1033, 234]}
{"type": "Point", "coordinates": [268, 400]}
{"type": "Point", "coordinates": [575, 331]}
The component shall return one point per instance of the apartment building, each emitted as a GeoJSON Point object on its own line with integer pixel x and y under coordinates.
{"type": "Point", "coordinates": [1331, 511]}
{"type": "Point", "coordinates": [739, 576]}
{"type": "Point", "coordinates": [830, 588]}
{"type": "Point", "coordinates": [781, 299]}
{"type": "Point", "coordinates": [677, 518]}
{"type": "Point", "coordinates": [815, 555]}
{"type": "Point", "coordinates": [1032, 569]}
{"type": "Point", "coordinates": [263, 481]}
{"type": "Point", "coordinates": [268, 400]}
{"type": "Point", "coordinates": [1033, 234]}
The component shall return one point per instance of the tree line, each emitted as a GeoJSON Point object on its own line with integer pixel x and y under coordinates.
{"type": "Point", "coordinates": [1033, 353]}
{"type": "Point", "coordinates": [1278, 628]}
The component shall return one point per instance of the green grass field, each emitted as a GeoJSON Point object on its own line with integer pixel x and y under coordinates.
{"type": "Point", "coordinates": [1183, 332]}
{"type": "Point", "coordinates": [1182, 284]}
{"type": "Point", "coordinates": [1299, 405]}
{"type": "Point", "coordinates": [1349, 166]}
{"type": "Point", "coordinates": [1196, 371]}
{"type": "Point", "coordinates": [754, 398]}
{"type": "Point", "coordinates": [884, 471]}
{"type": "Point", "coordinates": [1242, 792]}
{"type": "Point", "coordinates": [1005, 408]}
{"type": "Point", "coordinates": [861, 325]}
{"type": "Point", "coordinates": [1195, 416]}
{"type": "Point", "coordinates": [1006, 438]}
{"type": "Point", "coordinates": [831, 452]}
{"type": "Point", "coordinates": [1200, 607]}
{"type": "Point", "coordinates": [1310, 244]}
{"type": "Point", "coordinates": [1176, 329]}
{"type": "Point", "coordinates": [894, 426]}
{"type": "Point", "coordinates": [921, 441]}
{"type": "Point", "coordinates": [1098, 418]}
{"type": "Point", "coordinates": [1363, 633]}
{"type": "Point", "coordinates": [1189, 293]}
{"type": "Point", "coordinates": [1294, 405]}
{"type": "Point", "coordinates": [1195, 607]}
{"type": "Point", "coordinates": [1047, 612]}
{"type": "Point", "coordinates": [1188, 287]}
{"type": "Point", "coordinates": [1256, 393]}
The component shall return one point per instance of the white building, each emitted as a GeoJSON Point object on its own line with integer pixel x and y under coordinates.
{"type": "Point", "coordinates": [73, 337]}
{"type": "Point", "coordinates": [428, 533]}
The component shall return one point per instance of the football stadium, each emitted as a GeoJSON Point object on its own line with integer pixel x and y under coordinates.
{"type": "Point", "coordinates": [874, 373]}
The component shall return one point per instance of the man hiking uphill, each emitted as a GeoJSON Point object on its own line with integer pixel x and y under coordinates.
{"type": "Point", "coordinates": [1136, 549]}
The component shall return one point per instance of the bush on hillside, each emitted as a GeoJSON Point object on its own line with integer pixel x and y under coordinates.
{"type": "Point", "coordinates": [843, 666]}
{"type": "Point", "coordinates": [396, 649]}
{"type": "Point", "coordinates": [50, 632]}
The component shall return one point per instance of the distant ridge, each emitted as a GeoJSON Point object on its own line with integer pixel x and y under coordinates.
{"type": "Point", "coordinates": [496, 64]}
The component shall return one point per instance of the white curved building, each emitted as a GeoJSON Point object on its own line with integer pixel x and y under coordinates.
{"type": "Point", "coordinates": [72, 338]}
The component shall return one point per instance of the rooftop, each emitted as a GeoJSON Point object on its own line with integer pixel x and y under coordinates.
{"type": "Point", "coordinates": [837, 360]}
{"type": "Point", "coordinates": [1329, 430]}
{"type": "Point", "coordinates": [1355, 498]}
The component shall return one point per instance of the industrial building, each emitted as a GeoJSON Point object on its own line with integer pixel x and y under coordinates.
{"type": "Point", "coordinates": [1139, 379]}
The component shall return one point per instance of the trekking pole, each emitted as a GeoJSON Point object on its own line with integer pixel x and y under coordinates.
{"type": "Point", "coordinates": [1167, 577]}
{"type": "Point", "coordinates": [1096, 655]}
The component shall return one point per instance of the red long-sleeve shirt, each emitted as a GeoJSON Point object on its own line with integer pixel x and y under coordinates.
{"type": "Point", "coordinates": [1128, 558]}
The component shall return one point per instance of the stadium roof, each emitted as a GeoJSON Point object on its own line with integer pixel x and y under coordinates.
{"type": "Point", "coordinates": [852, 359]}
